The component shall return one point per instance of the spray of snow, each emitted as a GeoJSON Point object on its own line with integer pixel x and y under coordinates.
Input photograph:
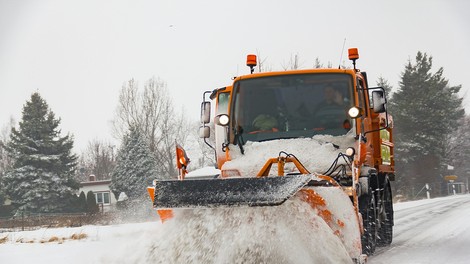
{"type": "Point", "coordinates": [290, 233]}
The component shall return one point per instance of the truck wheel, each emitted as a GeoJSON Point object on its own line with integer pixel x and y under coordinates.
{"type": "Point", "coordinates": [369, 218]}
{"type": "Point", "coordinates": [385, 233]}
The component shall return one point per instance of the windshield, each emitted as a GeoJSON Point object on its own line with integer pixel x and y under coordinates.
{"type": "Point", "coordinates": [291, 106]}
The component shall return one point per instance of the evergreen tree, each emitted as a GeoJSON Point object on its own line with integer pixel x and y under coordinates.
{"type": "Point", "coordinates": [2, 192]}
{"type": "Point", "coordinates": [82, 202]}
{"type": "Point", "coordinates": [92, 207]}
{"type": "Point", "coordinates": [382, 82]}
{"type": "Point", "coordinates": [41, 176]}
{"type": "Point", "coordinates": [425, 109]}
{"type": "Point", "coordinates": [458, 152]}
{"type": "Point", "coordinates": [135, 167]}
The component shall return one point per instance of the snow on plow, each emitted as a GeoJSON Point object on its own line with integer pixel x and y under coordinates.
{"type": "Point", "coordinates": [322, 193]}
{"type": "Point", "coordinates": [334, 211]}
{"type": "Point", "coordinates": [289, 233]}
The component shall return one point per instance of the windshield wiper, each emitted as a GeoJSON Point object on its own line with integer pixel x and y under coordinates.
{"type": "Point", "coordinates": [239, 139]}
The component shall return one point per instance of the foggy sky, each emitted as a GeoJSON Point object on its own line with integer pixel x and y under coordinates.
{"type": "Point", "coordinates": [78, 54]}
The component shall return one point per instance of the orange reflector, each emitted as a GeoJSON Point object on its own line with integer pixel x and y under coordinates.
{"type": "Point", "coordinates": [165, 214]}
{"type": "Point", "coordinates": [182, 159]}
{"type": "Point", "coordinates": [151, 191]}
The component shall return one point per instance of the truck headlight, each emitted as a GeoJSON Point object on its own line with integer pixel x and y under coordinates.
{"type": "Point", "coordinates": [222, 120]}
{"type": "Point", "coordinates": [354, 112]}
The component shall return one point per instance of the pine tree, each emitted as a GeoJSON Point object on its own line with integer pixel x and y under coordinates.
{"type": "Point", "coordinates": [135, 167]}
{"type": "Point", "coordinates": [425, 109]}
{"type": "Point", "coordinates": [41, 177]}
{"type": "Point", "coordinates": [382, 82]}
{"type": "Point", "coordinates": [458, 152]}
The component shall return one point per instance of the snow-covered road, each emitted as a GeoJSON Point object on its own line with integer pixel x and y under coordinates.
{"type": "Point", "coordinates": [426, 231]}
{"type": "Point", "coordinates": [429, 231]}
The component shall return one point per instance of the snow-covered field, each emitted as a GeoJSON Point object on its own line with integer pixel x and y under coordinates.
{"type": "Point", "coordinates": [426, 231]}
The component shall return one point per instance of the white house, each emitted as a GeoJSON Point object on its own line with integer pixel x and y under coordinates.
{"type": "Point", "coordinates": [103, 195]}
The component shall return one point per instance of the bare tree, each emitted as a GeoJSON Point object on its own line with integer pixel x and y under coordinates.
{"type": "Point", "coordinates": [127, 112]}
{"type": "Point", "coordinates": [262, 63]}
{"type": "Point", "coordinates": [292, 64]}
{"type": "Point", "coordinates": [152, 112]}
{"type": "Point", "coordinates": [317, 64]}
{"type": "Point", "coordinates": [207, 154]}
{"type": "Point", "coordinates": [98, 159]}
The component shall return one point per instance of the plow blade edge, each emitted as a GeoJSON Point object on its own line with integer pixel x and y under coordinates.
{"type": "Point", "coordinates": [209, 193]}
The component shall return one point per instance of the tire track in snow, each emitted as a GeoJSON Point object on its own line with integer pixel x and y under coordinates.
{"type": "Point", "coordinates": [422, 229]}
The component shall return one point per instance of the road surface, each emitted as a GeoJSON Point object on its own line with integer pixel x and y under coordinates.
{"type": "Point", "coordinates": [429, 231]}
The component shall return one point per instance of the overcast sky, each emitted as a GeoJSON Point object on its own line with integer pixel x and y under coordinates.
{"type": "Point", "coordinates": [77, 54]}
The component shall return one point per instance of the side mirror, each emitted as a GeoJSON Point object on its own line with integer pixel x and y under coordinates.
{"type": "Point", "coordinates": [378, 101]}
{"type": "Point", "coordinates": [205, 112]}
{"type": "Point", "coordinates": [204, 132]}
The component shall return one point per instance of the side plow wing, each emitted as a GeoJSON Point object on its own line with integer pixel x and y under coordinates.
{"type": "Point", "coordinates": [210, 193]}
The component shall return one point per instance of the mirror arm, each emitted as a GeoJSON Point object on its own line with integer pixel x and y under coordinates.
{"type": "Point", "coordinates": [215, 152]}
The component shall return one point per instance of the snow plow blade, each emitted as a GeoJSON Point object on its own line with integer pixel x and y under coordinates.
{"type": "Point", "coordinates": [210, 193]}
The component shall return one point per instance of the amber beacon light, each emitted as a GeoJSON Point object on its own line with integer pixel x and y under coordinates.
{"type": "Point", "coordinates": [353, 55]}
{"type": "Point", "coordinates": [251, 62]}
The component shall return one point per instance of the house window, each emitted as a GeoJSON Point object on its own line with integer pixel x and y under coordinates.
{"type": "Point", "coordinates": [102, 198]}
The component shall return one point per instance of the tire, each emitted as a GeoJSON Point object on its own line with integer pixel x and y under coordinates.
{"type": "Point", "coordinates": [385, 232]}
{"type": "Point", "coordinates": [369, 217]}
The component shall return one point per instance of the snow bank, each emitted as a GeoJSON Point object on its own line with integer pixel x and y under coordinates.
{"type": "Point", "coordinates": [99, 244]}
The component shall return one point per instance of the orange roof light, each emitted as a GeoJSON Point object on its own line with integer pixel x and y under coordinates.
{"type": "Point", "coordinates": [353, 54]}
{"type": "Point", "coordinates": [251, 60]}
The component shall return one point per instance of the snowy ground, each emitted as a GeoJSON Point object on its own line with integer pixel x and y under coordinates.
{"type": "Point", "coordinates": [427, 231]}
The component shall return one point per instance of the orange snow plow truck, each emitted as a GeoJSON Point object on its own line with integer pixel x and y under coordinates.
{"type": "Point", "coordinates": [320, 135]}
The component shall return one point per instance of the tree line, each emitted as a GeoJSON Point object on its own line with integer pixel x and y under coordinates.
{"type": "Point", "coordinates": [40, 173]}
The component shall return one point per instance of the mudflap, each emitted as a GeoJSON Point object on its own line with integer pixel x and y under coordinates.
{"type": "Point", "coordinates": [210, 193]}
